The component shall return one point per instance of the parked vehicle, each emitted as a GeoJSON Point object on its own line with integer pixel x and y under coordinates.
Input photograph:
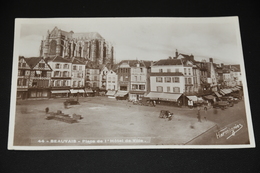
{"type": "Point", "coordinates": [166, 114]}
{"type": "Point", "coordinates": [229, 99]}
{"type": "Point", "coordinates": [221, 104]}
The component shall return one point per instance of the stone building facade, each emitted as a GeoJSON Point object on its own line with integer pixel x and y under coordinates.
{"type": "Point", "coordinates": [89, 46]}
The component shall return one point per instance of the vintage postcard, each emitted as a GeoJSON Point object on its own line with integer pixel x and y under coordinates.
{"type": "Point", "coordinates": [129, 83]}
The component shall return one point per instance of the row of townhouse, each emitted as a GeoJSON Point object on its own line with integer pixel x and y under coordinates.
{"type": "Point", "coordinates": [178, 76]}
{"type": "Point", "coordinates": [182, 78]}
{"type": "Point", "coordinates": [60, 77]}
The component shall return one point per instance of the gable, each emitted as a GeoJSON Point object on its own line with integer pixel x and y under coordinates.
{"type": "Point", "coordinates": [23, 64]}
{"type": "Point", "coordinates": [42, 65]}
{"type": "Point", "coordinates": [54, 32]}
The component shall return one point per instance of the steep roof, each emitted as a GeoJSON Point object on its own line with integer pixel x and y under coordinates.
{"type": "Point", "coordinates": [187, 57]}
{"type": "Point", "coordinates": [87, 35]}
{"type": "Point", "coordinates": [92, 65]}
{"type": "Point", "coordinates": [148, 63]}
{"type": "Point", "coordinates": [169, 62]}
{"type": "Point", "coordinates": [59, 59]}
{"type": "Point", "coordinates": [32, 61]}
{"type": "Point", "coordinates": [133, 63]}
{"type": "Point", "coordinates": [75, 60]}
{"type": "Point", "coordinates": [236, 68]}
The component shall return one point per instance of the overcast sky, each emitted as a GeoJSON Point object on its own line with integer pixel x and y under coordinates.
{"type": "Point", "coordinates": [145, 38]}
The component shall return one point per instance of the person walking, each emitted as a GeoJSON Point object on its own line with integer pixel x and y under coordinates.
{"type": "Point", "coordinates": [205, 113]}
{"type": "Point", "coordinates": [199, 116]}
{"type": "Point", "coordinates": [47, 110]}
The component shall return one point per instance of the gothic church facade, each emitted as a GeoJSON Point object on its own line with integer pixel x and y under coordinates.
{"type": "Point", "coordinates": [90, 46]}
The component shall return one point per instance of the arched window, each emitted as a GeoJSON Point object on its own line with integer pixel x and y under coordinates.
{"type": "Point", "coordinates": [53, 45]}
{"type": "Point", "coordinates": [74, 83]}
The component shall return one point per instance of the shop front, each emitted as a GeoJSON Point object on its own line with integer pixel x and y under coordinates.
{"type": "Point", "coordinates": [170, 99]}
{"type": "Point", "coordinates": [22, 93]}
{"type": "Point", "coordinates": [111, 93]}
{"type": "Point", "coordinates": [165, 98]}
{"type": "Point", "coordinates": [39, 93]}
{"type": "Point", "coordinates": [121, 95]}
{"type": "Point", "coordinates": [136, 95]}
{"type": "Point", "coordinates": [89, 92]}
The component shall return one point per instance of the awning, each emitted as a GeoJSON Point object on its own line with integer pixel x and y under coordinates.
{"type": "Point", "coordinates": [154, 95]}
{"type": "Point", "coordinates": [193, 98]}
{"type": "Point", "coordinates": [110, 93]}
{"type": "Point", "coordinates": [121, 93]}
{"type": "Point", "coordinates": [136, 92]}
{"type": "Point", "coordinates": [169, 97]}
{"type": "Point", "coordinates": [22, 89]}
{"type": "Point", "coordinates": [73, 91]}
{"type": "Point", "coordinates": [209, 97]}
{"type": "Point", "coordinates": [226, 91]}
{"type": "Point", "coordinates": [230, 90]}
{"type": "Point", "coordinates": [59, 91]}
{"type": "Point", "coordinates": [88, 91]}
{"type": "Point", "coordinates": [217, 94]}
{"type": "Point", "coordinates": [221, 92]}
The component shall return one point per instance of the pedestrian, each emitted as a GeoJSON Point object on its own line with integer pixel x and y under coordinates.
{"type": "Point", "coordinates": [46, 110]}
{"type": "Point", "coordinates": [65, 104]}
{"type": "Point", "coordinates": [199, 116]}
{"type": "Point", "coordinates": [205, 113]}
{"type": "Point", "coordinates": [154, 103]}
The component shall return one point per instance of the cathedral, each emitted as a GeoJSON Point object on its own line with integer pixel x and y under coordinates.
{"type": "Point", "coordinates": [88, 46]}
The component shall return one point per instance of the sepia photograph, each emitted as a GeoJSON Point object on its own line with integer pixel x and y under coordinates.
{"type": "Point", "coordinates": [128, 83]}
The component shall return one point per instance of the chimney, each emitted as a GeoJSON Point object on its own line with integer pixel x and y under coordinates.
{"type": "Point", "coordinates": [170, 57]}
{"type": "Point", "coordinates": [192, 57]}
{"type": "Point", "coordinates": [222, 65]}
{"type": "Point", "coordinates": [176, 54]}
{"type": "Point", "coordinates": [211, 60]}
